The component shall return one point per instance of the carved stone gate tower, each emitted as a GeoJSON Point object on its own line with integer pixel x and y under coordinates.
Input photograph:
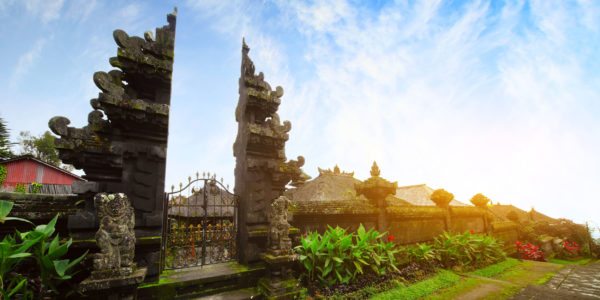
{"type": "Point", "coordinates": [261, 172]}
{"type": "Point", "coordinates": [123, 148]}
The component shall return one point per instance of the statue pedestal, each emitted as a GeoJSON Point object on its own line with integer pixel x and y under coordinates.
{"type": "Point", "coordinates": [116, 287]}
{"type": "Point", "coordinates": [279, 283]}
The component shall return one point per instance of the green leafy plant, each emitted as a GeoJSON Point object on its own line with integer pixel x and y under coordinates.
{"type": "Point", "coordinates": [337, 256]}
{"type": "Point", "coordinates": [5, 209]}
{"type": "Point", "coordinates": [39, 245]}
{"type": "Point", "coordinates": [36, 188]}
{"type": "Point", "coordinates": [467, 250]}
{"type": "Point", "coordinates": [48, 255]}
{"type": "Point", "coordinates": [11, 254]}
{"type": "Point", "coordinates": [3, 174]}
{"type": "Point", "coordinates": [20, 188]}
{"type": "Point", "coordinates": [421, 253]}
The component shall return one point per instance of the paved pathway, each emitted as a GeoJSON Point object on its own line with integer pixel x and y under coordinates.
{"type": "Point", "coordinates": [576, 282]}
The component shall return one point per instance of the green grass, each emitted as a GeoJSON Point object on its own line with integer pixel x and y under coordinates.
{"type": "Point", "coordinates": [442, 279]}
{"type": "Point", "coordinates": [545, 278]}
{"type": "Point", "coordinates": [495, 269]}
{"type": "Point", "coordinates": [579, 261]}
{"type": "Point", "coordinates": [462, 287]}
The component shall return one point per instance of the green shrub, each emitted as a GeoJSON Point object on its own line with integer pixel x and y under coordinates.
{"type": "Point", "coordinates": [20, 188]}
{"type": "Point", "coordinates": [467, 250]}
{"type": "Point", "coordinates": [3, 174]}
{"type": "Point", "coordinates": [339, 257]}
{"type": "Point", "coordinates": [43, 248]}
{"type": "Point", "coordinates": [36, 188]}
{"type": "Point", "coordinates": [421, 253]}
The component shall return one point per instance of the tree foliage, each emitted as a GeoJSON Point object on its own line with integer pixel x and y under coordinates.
{"type": "Point", "coordinates": [442, 197]}
{"type": "Point", "coordinates": [5, 151]}
{"type": "Point", "coordinates": [42, 147]}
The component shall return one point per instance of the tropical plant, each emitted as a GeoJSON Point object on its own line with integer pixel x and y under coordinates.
{"type": "Point", "coordinates": [36, 188]}
{"type": "Point", "coordinates": [337, 256]}
{"type": "Point", "coordinates": [5, 209]}
{"type": "Point", "coordinates": [20, 188]}
{"type": "Point", "coordinates": [40, 246]}
{"type": "Point", "coordinates": [47, 252]}
{"type": "Point", "coordinates": [467, 250]}
{"type": "Point", "coordinates": [529, 251]}
{"type": "Point", "coordinates": [421, 253]}
{"type": "Point", "coordinates": [570, 248]}
{"type": "Point", "coordinates": [11, 253]}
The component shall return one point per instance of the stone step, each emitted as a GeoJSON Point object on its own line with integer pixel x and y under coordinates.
{"type": "Point", "coordinates": [240, 294]}
{"type": "Point", "coordinates": [195, 282]}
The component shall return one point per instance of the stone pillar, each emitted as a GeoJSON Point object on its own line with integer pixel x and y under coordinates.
{"type": "Point", "coordinates": [377, 189]}
{"type": "Point", "coordinates": [279, 257]}
{"type": "Point", "coordinates": [261, 171]}
{"type": "Point", "coordinates": [480, 201]}
{"type": "Point", "coordinates": [123, 148]}
{"type": "Point", "coordinates": [442, 199]}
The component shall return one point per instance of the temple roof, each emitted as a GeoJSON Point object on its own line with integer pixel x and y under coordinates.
{"type": "Point", "coordinates": [328, 186]}
{"type": "Point", "coordinates": [219, 204]}
{"type": "Point", "coordinates": [420, 195]}
{"type": "Point", "coordinates": [500, 213]}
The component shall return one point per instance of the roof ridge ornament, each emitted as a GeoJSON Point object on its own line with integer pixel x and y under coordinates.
{"type": "Point", "coordinates": [375, 172]}
{"type": "Point", "coordinates": [336, 171]}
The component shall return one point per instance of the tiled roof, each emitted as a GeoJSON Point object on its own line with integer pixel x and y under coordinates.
{"type": "Point", "coordinates": [500, 213]}
{"type": "Point", "coordinates": [420, 195]}
{"type": "Point", "coordinates": [326, 187]}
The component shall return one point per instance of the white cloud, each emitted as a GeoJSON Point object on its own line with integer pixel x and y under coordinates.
{"type": "Point", "coordinates": [46, 10]}
{"type": "Point", "coordinates": [472, 98]}
{"type": "Point", "coordinates": [81, 10]}
{"type": "Point", "coordinates": [26, 62]}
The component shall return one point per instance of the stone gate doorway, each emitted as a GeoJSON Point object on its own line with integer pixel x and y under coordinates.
{"type": "Point", "coordinates": [200, 224]}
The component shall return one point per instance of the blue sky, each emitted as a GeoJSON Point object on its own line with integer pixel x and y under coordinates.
{"type": "Point", "coordinates": [498, 97]}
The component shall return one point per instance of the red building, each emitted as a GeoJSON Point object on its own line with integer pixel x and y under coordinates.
{"type": "Point", "coordinates": [27, 169]}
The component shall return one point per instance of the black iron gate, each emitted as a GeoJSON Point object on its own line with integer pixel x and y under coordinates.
{"type": "Point", "coordinates": [200, 225]}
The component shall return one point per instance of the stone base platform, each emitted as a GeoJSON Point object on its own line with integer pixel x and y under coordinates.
{"type": "Point", "coordinates": [196, 282]}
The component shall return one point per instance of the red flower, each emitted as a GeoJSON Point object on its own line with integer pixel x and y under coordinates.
{"type": "Point", "coordinates": [472, 231]}
{"type": "Point", "coordinates": [390, 238]}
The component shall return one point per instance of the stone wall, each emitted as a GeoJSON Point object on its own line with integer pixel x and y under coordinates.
{"type": "Point", "coordinates": [408, 224]}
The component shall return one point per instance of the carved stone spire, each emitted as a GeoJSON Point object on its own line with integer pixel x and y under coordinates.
{"type": "Point", "coordinates": [261, 172]}
{"type": "Point", "coordinates": [375, 172]}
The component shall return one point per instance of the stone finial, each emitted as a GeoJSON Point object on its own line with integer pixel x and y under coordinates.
{"type": "Point", "coordinates": [442, 198]}
{"type": "Point", "coordinates": [480, 200]}
{"type": "Point", "coordinates": [376, 188]}
{"type": "Point", "coordinates": [115, 237]}
{"type": "Point", "coordinates": [375, 172]}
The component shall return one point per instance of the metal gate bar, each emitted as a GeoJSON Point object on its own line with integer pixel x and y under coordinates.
{"type": "Point", "coordinates": [201, 224]}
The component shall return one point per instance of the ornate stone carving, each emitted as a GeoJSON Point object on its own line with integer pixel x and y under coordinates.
{"type": "Point", "coordinates": [336, 171]}
{"type": "Point", "coordinates": [279, 240]}
{"type": "Point", "coordinates": [377, 189]}
{"type": "Point", "coordinates": [262, 170]}
{"type": "Point", "coordinates": [123, 147]}
{"type": "Point", "coordinates": [115, 237]}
